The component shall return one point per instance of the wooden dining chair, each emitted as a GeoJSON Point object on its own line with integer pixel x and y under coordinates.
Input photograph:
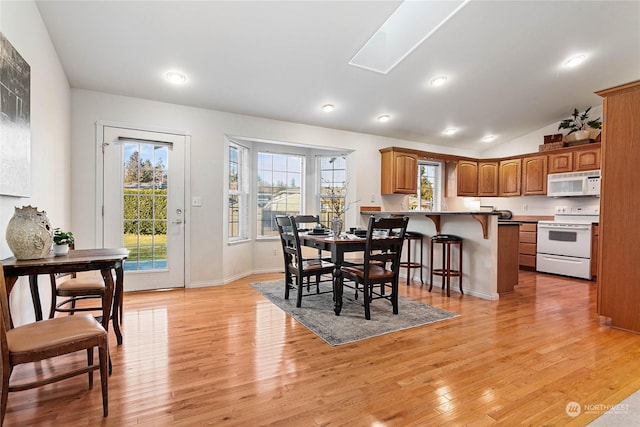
{"type": "Point", "coordinates": [47, 339]}
{"type": "Point", "coordinates": [308, 222]}
{"type": "Point", "coordinates": [296, 265]}
{"type": "Point", "coordinates": [68, 290]}
{"type": "Point", "coordinates": [381, 264]}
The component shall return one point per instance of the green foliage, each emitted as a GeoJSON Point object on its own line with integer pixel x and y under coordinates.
{"type": "Point", "coordinates": [579, 121]}
{"type": "Point", "coordinates": [141, 208]}
{"type": "Point", "coordinates": [62, 237]}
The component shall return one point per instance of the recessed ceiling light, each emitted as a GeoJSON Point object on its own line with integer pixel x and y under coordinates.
{"type": "Point", "coordinates": [383, 118]}
{"type": "Point", "coordinates": [450, 131]}
{"type": "Point", "coordinates": [327, 108]}
{"type": "Point", "coordinates": [439, 81]}
{"type": "Point", "coordinates": [488, 138]}
{"type": "Point", "coordinates": [575, 60]}
{"type": "Point", "coordinates": [176, 77]}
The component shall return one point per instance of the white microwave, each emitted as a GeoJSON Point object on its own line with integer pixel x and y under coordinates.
{"type": "Point", "coordinates": [569, 184]}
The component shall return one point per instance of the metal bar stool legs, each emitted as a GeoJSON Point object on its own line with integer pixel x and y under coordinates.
{"type": "Point", "coordinates": [412, 236]}
{"type": "Point", "coordinates": [446, 272]}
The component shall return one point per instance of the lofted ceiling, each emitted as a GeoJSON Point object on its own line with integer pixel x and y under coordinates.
{"type": "Point", "coordinates": [285, 59]}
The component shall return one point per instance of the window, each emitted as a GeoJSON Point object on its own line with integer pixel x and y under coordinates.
{"type": "Point", "coordinates": [333, 190]}
{"type": "Point", "coordinates": [238, 193]}
{"type": "Point", "coordinates": [429, 187]}
{"type": "Point", "coordinates": [278, 189]}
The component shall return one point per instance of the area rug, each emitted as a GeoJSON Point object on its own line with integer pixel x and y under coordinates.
{"type": "Point", "coordinates": [317, 314]}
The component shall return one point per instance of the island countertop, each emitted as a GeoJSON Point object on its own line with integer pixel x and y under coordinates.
{"type": "Point", "coordinates": [481, 216]}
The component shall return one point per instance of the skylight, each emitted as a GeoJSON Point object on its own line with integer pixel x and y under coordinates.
{"type": "Point", "coordinates": [407, 27]}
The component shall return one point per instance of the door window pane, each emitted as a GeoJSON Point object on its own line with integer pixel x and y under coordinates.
{"type": "Point", "coordinates": [145, 205]}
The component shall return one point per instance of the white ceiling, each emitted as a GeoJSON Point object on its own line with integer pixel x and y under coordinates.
{"type": "Point", "coordinates": [285, 59]}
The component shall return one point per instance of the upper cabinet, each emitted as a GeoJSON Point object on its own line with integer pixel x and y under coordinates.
{"type": "Point", "coordinates": [399, 174]}
{"type": "Point", "coordinates": [586, 160]}
{"type": "Point", "coordinates": [467, 178]}
{"type": "Point", "coordinates": [576, 160]}
{"type": "Point", "coordinates": [488, 178]}
{"type": "Point", "coordinates": [534, 175]}
{"type": "Point", "coordinates": [509, 177]}
{"type": "Point", "coordinates": [561, 162]}
{"type": "Point", "coordinates": [524, 175]}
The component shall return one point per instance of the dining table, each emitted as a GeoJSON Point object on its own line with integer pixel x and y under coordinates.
{"type": "Point", "coordinates": [338, 246]}
{"type": "Point", "coordinates": [105, 260]}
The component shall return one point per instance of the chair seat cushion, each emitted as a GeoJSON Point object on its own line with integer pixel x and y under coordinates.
{"type": "Point", "coordinates": [376, 272]}
{"type": "Point", "coordinates": [82, 283]}
{"type": "Point", "coordinates": [52, 333]}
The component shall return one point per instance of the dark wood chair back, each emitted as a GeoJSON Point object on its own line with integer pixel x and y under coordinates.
{"type": "Point", "coordinates": [381, 266]}
{"type": "Point", "coordinates": [385, 238]}
{"type": "Point", "coordinates": [295, 264]}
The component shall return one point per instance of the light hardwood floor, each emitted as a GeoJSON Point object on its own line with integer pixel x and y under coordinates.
{"type": "Point", "coordinates": [224, 355]}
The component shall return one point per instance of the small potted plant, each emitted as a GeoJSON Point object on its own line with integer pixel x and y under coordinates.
{"type": "Point", "coordinates": [579, 124]}
{"type": "Point", "coordinates": [61, 241]}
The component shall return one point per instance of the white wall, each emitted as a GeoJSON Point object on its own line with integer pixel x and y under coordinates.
{"type": "Point", "coordinates": [212, 260]}
{"type": "Point", "coordinates": [21, 24]}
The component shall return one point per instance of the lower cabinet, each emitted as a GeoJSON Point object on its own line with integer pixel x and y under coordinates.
{"type": "Point", "coordinates": [528, 239]}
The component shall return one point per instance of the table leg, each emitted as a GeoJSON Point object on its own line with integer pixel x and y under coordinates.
{"type": "Point", "coordinates": [337, 289]}
{"type": "Point", "coordinates": [118, 299]}
{"type": "Point", "coordinates": [35, 296]}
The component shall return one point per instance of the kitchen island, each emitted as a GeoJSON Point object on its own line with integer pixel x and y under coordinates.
{"type": "Point", "coordinates": [481, 252]}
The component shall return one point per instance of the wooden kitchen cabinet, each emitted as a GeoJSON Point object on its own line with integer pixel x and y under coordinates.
{"type": "Point", "coordinates": [507, 257]}
{"type": "Point", "coordinates": [399, 173]}
{"type": "Point", "coordinates": [587, 160]}
{"type": "Point", "coordinates": [561, 162]}
{"type": "Point", "coordinates": [534, 175]}
{"type": "Point", "coordinates": [467, 178]}
{"type": "Point", "coordinates": [509, 177]}
{"type": "Point", "coordinates": [528, 245]}
{"type": "Point", "coordinates": [618, 267]}
{"type": "Point", "coordinates": [575, 160]}
{"type": "Point", "coordinates": [488, 179]}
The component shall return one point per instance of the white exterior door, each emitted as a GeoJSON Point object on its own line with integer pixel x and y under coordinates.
{"type": "Point", "coordinates": [144, 204]}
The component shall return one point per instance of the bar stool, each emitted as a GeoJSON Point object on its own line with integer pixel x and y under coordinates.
{"type": "Point", "coordinates": [446, 272]}
{"type": "Point", "coordinates": [416, 238]}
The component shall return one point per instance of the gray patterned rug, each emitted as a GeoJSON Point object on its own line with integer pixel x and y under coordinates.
{"type": "Point", "coordinates": [317, 314]}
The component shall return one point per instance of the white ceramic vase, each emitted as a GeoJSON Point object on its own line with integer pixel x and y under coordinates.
{"type": "Point", "coordinates": [29, 234]}
{"type": "Point", "coordinates": [60, 250]}
{"type": "Point", "coordinates": [581, 134]}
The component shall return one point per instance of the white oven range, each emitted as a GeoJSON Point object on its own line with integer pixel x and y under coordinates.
{"type": "Point", "coordinates": [564, 244]}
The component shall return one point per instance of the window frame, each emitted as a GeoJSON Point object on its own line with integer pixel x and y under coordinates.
{"type": "Point", "coordinates": [259, 222]}
{"type": "Point", "coordinates": [242, 192]}
{"type": "Point", "coordinates": [415, 200]}
{"type": "Point", "coordinates": [338, 199]}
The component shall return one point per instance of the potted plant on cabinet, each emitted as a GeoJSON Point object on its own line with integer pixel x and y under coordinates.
{"type": "Point", "coordinates": [579, 125]}
{"type": "Point", "coordinates": [61, 241]}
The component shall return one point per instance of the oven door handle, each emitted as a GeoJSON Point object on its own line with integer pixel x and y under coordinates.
{"type": "Point", "coordinates": [555, 227]}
